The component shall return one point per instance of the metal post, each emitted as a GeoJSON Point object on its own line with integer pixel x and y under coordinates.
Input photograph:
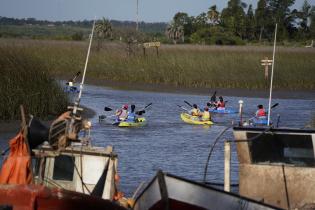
{"type": "Point", "coordinates": [227, 163]}
{"type": "Point", "coordinates": [241, 111]}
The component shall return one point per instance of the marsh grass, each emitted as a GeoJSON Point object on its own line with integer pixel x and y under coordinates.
{"type": "Point", "coordinates": [26, 80]}
{"type": "Point", "coordinates": [180, 66]}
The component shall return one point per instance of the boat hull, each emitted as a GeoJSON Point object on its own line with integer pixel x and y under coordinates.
{"type": "Point", "coordinates": [194, 120]}
{"type": "Point", "coordinates": [167, 191]}
{"type": "Point", "coordinates": [38, 197]}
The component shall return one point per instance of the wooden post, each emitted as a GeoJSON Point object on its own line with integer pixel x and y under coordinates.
{"type": "Point", "coordinates": [143, 51]}
{"type": "Point", "coordinates": [265, 62]}
{"type": "Point", "coordinates": [227, 162]}
{"type": "Point", "coordinates": [25, 133]}
{"type": "Point", "coordinates": [157, 51]}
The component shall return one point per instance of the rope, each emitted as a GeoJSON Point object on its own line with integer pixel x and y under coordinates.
{"type": "Point", "coordinates": [77, 170]}
{"type": "Point", "coordinates": [211, 150]}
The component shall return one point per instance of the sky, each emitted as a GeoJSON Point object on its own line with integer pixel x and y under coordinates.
{"type": "Point", "coordinates": [149, 10]}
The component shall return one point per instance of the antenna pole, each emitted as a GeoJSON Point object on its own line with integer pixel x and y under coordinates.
{"type": "Point", "coordinates": [77, 101]}
{"type": "Point", "coordinates": [137, 12]}
{"type": "Point", "coordinates": [273, 65]}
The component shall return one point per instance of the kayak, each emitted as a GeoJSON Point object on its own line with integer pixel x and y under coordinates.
{"type": "Point", "coordinates": [260, 121]}
{"type": "Point", "coordinates": [223, 111]}
{"type": "Point", "coordinates": [71, 89]}
{"type": "Point", "coordinates": [187, 118]}
{"type": "Point", "coordinates": [141, 121]}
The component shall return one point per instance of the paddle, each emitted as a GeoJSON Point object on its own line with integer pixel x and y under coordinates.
{"type": "Point", "coordinates": [142, 111]}
{"type": "Point", "coordinates": [214, 97]}
{"type": "Point", "coordinates": [273, 106]}
{"type": "Point", "coordinates": [188, 103]}
{"type": "Point", "coordinates": [73, 79]}
{"type": "Point", "coordinates": [107, 109]}
{"type": "Point", "coordinates": [183, 108]}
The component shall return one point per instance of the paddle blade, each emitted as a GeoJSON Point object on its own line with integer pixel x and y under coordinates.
{"type": "Point", "coordinates": [147, 105]}
{"type": "Point", "coordinates": [107, 109]}
{"type": "Point", "coordinates": [273, 106]}
{"type": "Point", "coordinates": [188, 103]}
{"type": "Point", "coordinates": [213, 97]}
{"type": "Point", "coordinates": [140, 112]}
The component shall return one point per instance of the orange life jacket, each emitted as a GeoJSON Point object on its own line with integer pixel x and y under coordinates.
{"type": "Point", "coordinates": [221, 104]}
{"type": "Point", "coordinates": [261, 113]}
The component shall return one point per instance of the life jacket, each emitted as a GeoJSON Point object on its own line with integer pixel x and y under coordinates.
{"type": "Point", "coordinates": [205, 116]}
{"type": "Point", "coordinates": [221, 104]}
{"type": "Point", "coordinates": [195, 112]}
{"type": "Point", "coordinates": [261, 113]}
{"type": "Point", "coordinates": [131, 116]}
{"type": "Point", "coordinates": [122, 114]}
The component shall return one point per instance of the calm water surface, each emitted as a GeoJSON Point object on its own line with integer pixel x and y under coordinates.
{"type": "Point", "coordinates": [169, 144]}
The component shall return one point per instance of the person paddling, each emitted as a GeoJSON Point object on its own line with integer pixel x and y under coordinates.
{"type": "Point", "coordinates": [122, 113]}
{"type": "Point", "coordinates": [132, 115]}
{"type": "Point", "coordinates": [260, 113]}
{"type": "Point", "coordinates": [220, 105]}
{"type": "Point", "coordinates": [195, 111]}
{"type": "Point", "coordinates": [206, 114]}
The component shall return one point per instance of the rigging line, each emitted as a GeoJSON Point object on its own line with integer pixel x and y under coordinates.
{"type": "Point", "coordinates": [51, 181]}
{"type": "Point", "coordinates": [210, 153]}
{"type": "Point", "coordinates": [286, 187]}
{"type": "Point", "coordinates": [77, 170]}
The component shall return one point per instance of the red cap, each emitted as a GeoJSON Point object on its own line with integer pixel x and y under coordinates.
{"type": "Point", "coordinates": [125, 106]}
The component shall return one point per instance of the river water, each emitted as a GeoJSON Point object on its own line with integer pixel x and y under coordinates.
{"type": "Point", "coordinates": [168, 143]}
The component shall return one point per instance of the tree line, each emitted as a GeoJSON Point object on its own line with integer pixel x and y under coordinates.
{"type": "Point", "coordinates": [239, 23]}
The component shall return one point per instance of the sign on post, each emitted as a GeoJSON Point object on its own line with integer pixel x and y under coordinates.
{"type": "Point", "coordinates": [265, 62]}
{"type": "Point", "coordinates": [152, 44]}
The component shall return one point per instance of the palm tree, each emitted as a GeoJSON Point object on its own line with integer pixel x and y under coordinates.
{"type": "Point", "coordinates": [103, 29]}
{"type": "Point", "coordinates": [175, 32]}
{"type": "Point", "coordinates": [213, 15]}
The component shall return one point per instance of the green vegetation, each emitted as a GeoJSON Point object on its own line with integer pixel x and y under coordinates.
{"type": "Point", "coordinates": [26, 80]}
{"type": "Point", "coordinates": [238, 23]}
{"type": "Point", "coordinates": [178, 65]}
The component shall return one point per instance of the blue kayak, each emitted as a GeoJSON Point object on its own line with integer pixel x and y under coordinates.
{"type": "Point", "coordinates": [260, 121]}
{"type": "Point", "coordinates": [223, 111]}
{"type": "Point", "coordinates": [71, 89]}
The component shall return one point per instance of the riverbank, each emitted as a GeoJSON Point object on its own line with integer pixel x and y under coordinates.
{"type": "Point", "coordinates": [280, 94]}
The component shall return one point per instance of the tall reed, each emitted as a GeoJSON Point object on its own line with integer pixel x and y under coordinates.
{"type": "Point", "coordinates": [24, 79]}
{"type": "Point", "coordinates": [182, 65]}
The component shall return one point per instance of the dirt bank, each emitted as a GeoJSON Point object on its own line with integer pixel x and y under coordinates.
{"type": "Point", "coordinates": [280, 94]}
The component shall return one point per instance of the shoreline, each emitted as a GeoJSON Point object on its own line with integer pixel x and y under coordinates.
{"type": "Point", "coordinates": [163, 88]}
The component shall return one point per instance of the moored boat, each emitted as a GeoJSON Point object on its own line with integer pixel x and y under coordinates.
{"type": "Point", "coordinates": [277, 165]}
{"type": "Point", "coordinates": [187, 118]}
{"type": "Point", "coordinates": [166, 191]}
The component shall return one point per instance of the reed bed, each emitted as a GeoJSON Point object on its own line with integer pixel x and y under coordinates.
{"type": "Point", "coordinates": [26, 80]}
{"type": "Point", "coordinates": [180, 66]}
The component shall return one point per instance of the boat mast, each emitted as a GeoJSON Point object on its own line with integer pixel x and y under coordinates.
{"type": "Point", "coordinates": [77, 101]}
{"type": "Point", "coordinates": [273, 65]}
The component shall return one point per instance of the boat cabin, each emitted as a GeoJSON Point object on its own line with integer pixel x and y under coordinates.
{"type": "Point", "coordinates": [277, 165]}
{"type": "Point", "coordinates": [77, 168]}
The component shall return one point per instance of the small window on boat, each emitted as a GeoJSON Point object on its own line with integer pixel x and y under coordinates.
{"type": "Point", "coordinates": [291, 149]}
{"type": "Point", "coordinates": [63, 168]}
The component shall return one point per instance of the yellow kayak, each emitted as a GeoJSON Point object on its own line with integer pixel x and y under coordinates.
{"type": "Point", "coordinates": [141, 121]}
{"type": "Point", "coordinates": [194, 120]}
